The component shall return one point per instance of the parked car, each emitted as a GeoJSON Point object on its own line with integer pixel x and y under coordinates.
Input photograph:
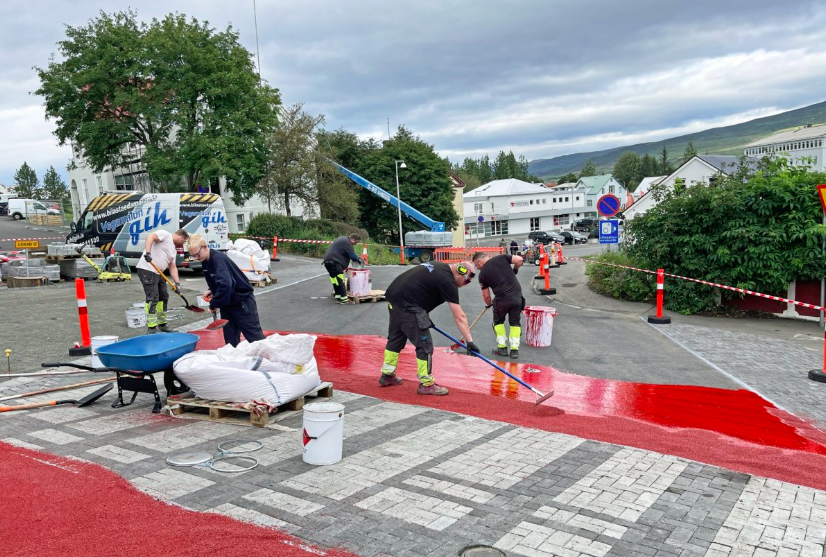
{"type": "Point", "coordinates": [545, 237]}
{"type": "Point", "coordinates": [4, 207]}
{"type": "Point", "coordinates": [573, 237]}
{"type": "Point", "coordinates": [585, 225]}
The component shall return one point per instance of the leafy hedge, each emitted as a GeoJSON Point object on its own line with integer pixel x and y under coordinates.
{"type": "Point", "coordinates": [267, 225]}
{"type": "Point", "coordinates": [757, 229]}
{"type": "Point", "coordinates": [623, 284]}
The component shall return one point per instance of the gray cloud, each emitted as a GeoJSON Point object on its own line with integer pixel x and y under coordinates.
{"type": "Point", "coordinates": [540, 77]}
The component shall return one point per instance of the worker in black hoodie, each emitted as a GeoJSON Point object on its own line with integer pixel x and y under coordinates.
{"type": "Point", "coordinates": [229, 291]}
{"type": "Point", "coordinates": [337, 258]}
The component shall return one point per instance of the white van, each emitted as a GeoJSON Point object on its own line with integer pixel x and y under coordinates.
{"type": "Point", "coordinates": [21, 208]}
{"type": "Point", "coordinates": [122, 221]}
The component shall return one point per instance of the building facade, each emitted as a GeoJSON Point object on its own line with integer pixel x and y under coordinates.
{"type": "Point", "coordinates": [516, 208]}
{"type": "Point", "coordinates": [803, 146]}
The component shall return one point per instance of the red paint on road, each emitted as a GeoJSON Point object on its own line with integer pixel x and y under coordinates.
{"type": "Point", "coordinates": [55, 507]}
{"type": "Point", "coordinates": [737, 430]}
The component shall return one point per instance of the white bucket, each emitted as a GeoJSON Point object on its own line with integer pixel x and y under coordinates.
{"type": "Point", "coordinates": [539, 328]}
{"type": "Point", "coordinates": [136, 318]}
{"type": "Point", "coordinates": [323, 432]}
{"type": "Point", "coordinates": [359, 281]}
{"type": "Point", "coordinates": [97, 342]}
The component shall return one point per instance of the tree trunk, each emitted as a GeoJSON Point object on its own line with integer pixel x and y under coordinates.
{"type": "Point", "coordinates": [287, 204]}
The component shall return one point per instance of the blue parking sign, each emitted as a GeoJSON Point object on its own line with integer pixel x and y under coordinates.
{"type": "Point", "coordinates": [609, 231]}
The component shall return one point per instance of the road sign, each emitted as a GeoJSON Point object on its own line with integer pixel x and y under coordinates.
{"type": "Point", "coordinates": [608, 205]}
{"type": "Point", "coordinates": [821, 190]}
{"type": "Point", "coordinates": [27, 244]}
{"type": "Point", "coordinates": [481, 218]}
{"type": "Point", "coordinates": [609, 231]}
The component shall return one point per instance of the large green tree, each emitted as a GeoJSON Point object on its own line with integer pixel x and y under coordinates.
{"type": "Point", "coordinates": [425, 185]}
{"type": "Point", "coordinates": [27, 186]}
{"type": "Point", "coordinates": [53, 186]}
{"type": "Point", "coordinates": [690, 151]}
{"type": "Point", "coordinates": [337, 195]}
{"type": "Point", "coordinates": [290, 177]}
{"type": "Point", "coordinates": [627, 170]}
{"type": "Point", "coordinates": [174, 95]}
{"type": "Point", "coordinates": [648, 167]}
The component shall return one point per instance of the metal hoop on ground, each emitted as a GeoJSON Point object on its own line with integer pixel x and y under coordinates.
{"type": "Point", "coordinates": [230, 457]}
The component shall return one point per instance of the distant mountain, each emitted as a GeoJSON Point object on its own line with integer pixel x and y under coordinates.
{"type": "Point", "coordinates": [728, 140]}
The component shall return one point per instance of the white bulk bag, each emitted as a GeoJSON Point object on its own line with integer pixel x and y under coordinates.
{"type": "Point", "coordinates": [247, 373]}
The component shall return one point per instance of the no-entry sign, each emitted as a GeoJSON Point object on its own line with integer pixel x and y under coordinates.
{"type": "Point", "coordinates": [608, 205]}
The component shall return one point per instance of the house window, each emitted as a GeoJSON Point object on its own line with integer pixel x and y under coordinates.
{"type": "Point", "coordinates": [610, 189]}
{"type": "Point", "coordinates": [566, 199]}
{"type": "Point", "coordinates": [477, 208]}
{"type": "Point", "coordinates": [544, 201]}
{"type": "Point", "coordinates": [577, 199]}
{"type": "Point", "coordinates": [531, 202]}
{"type": "Point", "coordinates": [499, 227]}
{"type": "Point", "coordinates": [239, 220]}
{"type": "Point", "coordinates": [589, 203]}
{"type": "Point", "coordinates": [534, 224]}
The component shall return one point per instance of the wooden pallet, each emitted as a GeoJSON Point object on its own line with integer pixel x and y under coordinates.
{"type": "Point", "coordinates": [224, 412]}
{"type": "Point", "coordinates": [263, 283]}
{"type": "Point", "coordinates": [374, 296]}
{"type": "Point", "coordinates": [60, 257]}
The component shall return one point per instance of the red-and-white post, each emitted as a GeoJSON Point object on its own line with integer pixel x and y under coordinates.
{"type": "Point", "coordinates": [83, 314]}
{"type": "Point", "coordinates": [275, 248]}
{"type": "Point", "coordinates": [659, 319]}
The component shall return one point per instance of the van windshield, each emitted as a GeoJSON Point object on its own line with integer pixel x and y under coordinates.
{"type": "Point", "coordinates": [87, 220]}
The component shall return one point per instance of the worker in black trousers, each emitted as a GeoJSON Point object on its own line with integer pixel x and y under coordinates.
{"type": "Point", "coordinates": [229, 291]}
{"type": "Point", "coordinates": [410, 298]}
{"type": "Point", "coordinates": [496, 273]}
{"type": "Point", "coordinates": [337, 258]}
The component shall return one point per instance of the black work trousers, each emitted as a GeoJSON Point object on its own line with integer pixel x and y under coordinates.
{"type": "Point", "coordinates": [413, 326]}
{"type": "Point", "coordinates": [242, 318]}
{"type": "Point", "coordinates": [510, 308]}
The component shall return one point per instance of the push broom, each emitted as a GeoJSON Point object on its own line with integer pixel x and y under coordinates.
{"type": "Point", "coordinates": [542, 397]}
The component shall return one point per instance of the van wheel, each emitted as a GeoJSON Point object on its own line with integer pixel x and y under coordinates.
{"type": "Point", "coordinates": [17, 216]}
{"type": "Point", "coordinates": [425, 255]}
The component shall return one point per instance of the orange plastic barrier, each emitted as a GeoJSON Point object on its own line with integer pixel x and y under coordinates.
{"type": "Point", "coordinates": [457, 255]}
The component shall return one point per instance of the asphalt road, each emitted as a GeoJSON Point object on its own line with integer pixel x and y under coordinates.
{"type": "Point", "coordinates": [10, 228]}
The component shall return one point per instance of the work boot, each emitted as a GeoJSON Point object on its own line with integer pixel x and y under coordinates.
{"type": "Point", "coordinates": [501, 351]}
{"type": "Point", "coordinates": [151, 330]}
{"type": "Point", "coordinates": [433, 389]}
{"type": "Point", "coordinates": [515, 353]}
{"type": "Point", "coordinates": [164, 328]}
{"type": "Point", "coordinates": [389, 380]}
{"type": "Point", "coordinates": [342, 300]}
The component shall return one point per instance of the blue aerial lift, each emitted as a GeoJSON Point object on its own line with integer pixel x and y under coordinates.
{"type": "Point", "coordinates": [420, 243]}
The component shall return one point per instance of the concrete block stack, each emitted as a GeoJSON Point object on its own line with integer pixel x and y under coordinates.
{"type": "Point", "coordinates": [79, 268]}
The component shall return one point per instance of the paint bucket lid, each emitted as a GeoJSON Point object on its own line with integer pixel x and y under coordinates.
{"type": "Point", "coordinates": [105, 337]}
{"type": "Point", "coordinates": [139, 305]}
{"type": "Point", "coordinates": [324, 407]}
{"type": "Point", "coordinates": [189, 458]}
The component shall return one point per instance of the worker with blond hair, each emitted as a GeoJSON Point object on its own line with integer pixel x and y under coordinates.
{"type": "Point", "coordinates": [229, 291]}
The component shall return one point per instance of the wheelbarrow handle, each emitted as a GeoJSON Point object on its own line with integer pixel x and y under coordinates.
{"type": "Point", "coordinates": [83, 367]}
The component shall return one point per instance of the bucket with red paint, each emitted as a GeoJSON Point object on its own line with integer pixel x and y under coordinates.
{"type": "Point", "coordinates": [359, 281]}
{"type": "Point", "coordinates": [323, 435]}
{"type": "Point", "coordinates": [539, 325]}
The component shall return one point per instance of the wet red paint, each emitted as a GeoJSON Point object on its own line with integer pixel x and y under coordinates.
{"type": "Point", "coordinates": [54, 507]}
{"type": "Point", "coordinates": [734, 429]}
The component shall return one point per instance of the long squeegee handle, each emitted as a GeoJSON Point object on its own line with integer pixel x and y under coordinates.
{"type": "Point", "coordinates": [478, 355]}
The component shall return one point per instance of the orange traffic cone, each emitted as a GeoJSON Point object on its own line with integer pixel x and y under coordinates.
{"type": "Point", "coordinates": [559, 257]}
{"type": "Point", "coordinates": [364, 253]}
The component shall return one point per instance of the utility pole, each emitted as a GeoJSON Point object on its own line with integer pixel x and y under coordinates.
{"type": "Point", "coordinates": [257, 50]}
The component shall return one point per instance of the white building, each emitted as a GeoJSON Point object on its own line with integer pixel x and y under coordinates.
{"type": "Point", "coordinates": [700, 169]}
{"type": "Point", "coordinates": [515, 208]}
{"type": "Point", "coordinates": [803, 146]}
{"type": "Point", "coordinates": [85, 185]}
{"type": "Point", "coordinates": [597, 186]}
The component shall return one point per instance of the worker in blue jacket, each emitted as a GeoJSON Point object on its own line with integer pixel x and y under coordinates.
{"type": "Point", "coordinates": [337, 258]}
{"type": "Point", "coordinates": [229, 291]}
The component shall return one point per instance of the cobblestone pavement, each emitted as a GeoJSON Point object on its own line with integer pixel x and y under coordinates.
{"type": "Point", "coordinates": [418, 481]}
{"type": "Point", "coordinates": [776, 369]}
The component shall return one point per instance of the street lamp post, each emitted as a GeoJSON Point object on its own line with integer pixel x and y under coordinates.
{"type": "Point", "coordinates": [399, 206]}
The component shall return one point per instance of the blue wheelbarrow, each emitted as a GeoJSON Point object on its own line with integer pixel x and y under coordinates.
{"type": "Point", "coordinates": [135, 360]}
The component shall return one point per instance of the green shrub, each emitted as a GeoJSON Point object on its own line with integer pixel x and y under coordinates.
{"type": "Point", "coordinates": [267, 225]}
{"type": "Point", "coordinates": [623, 284]}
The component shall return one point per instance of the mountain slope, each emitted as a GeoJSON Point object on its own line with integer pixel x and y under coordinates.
{"type": "Point", "coordinates": [728, 140]}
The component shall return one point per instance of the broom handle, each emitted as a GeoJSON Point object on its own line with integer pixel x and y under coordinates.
{"type": "Point", "coordinates": [63, 388]}
{"type": "Point", "coordinates": [175, 290]}
{"type": "Point", "coordinates": [478, 317]}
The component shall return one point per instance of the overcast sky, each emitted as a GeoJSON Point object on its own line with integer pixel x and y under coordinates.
{"type": "Point", "coordinates": [538, 77]}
